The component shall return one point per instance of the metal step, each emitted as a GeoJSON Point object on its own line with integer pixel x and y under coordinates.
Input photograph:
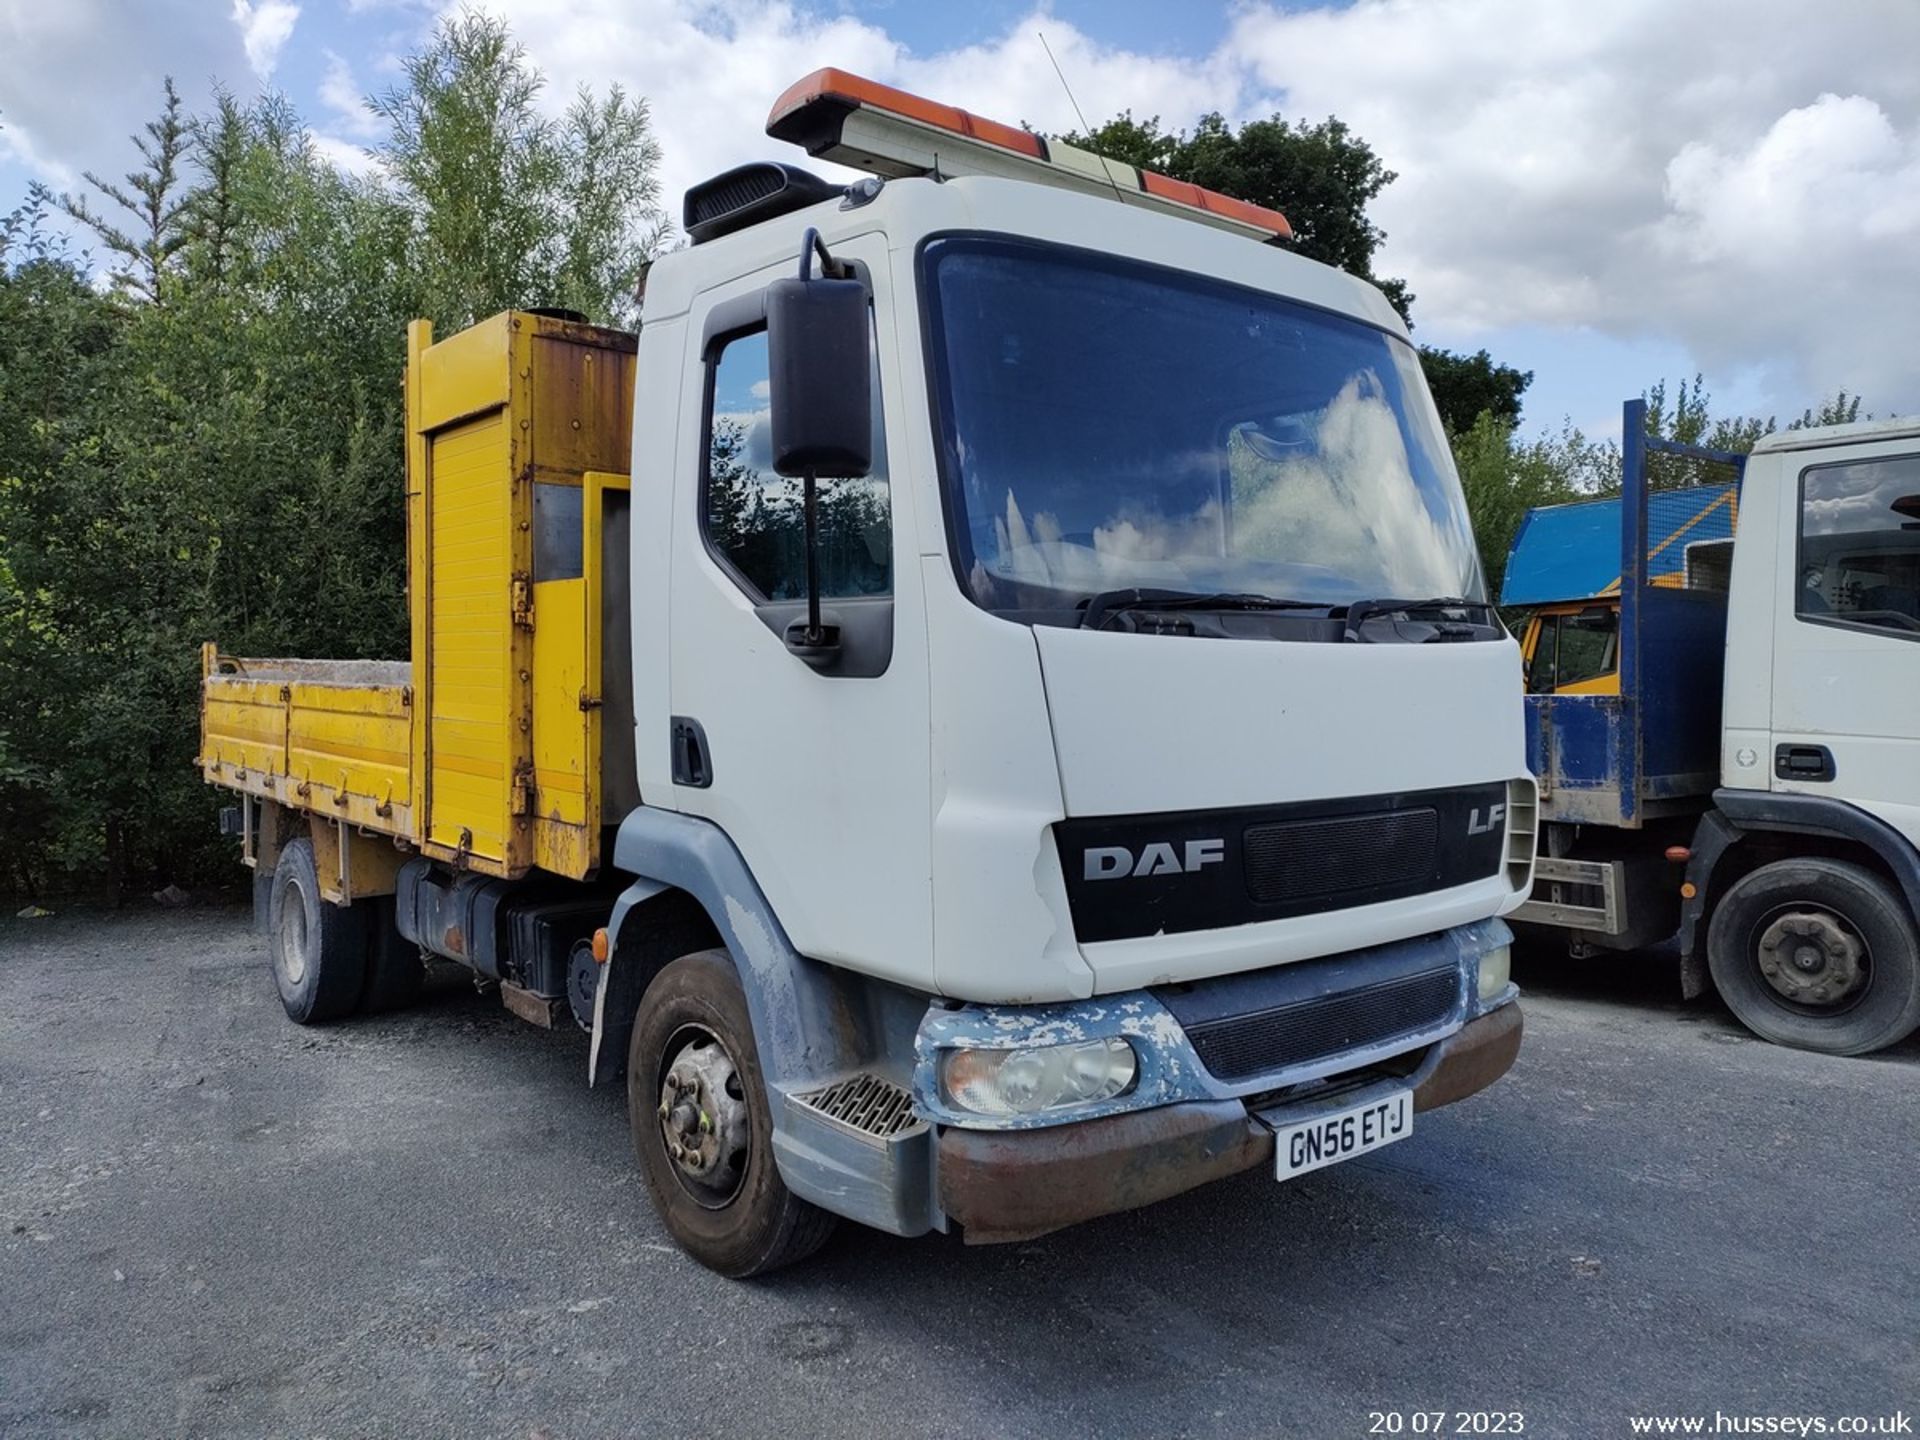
{"type": "Point", "coordinates": [867, 1104]}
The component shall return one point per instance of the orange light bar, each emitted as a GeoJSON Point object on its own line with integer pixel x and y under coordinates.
{"type": "Point", "coordinates": [839, 89]}
{"type": "Point", "coordinates": [814, 114]}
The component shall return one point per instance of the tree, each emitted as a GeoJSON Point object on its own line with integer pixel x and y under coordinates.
{"type": "Point", "coordinates": [214, 450]}
{"type": "Point", "coordinates": [152, 196]}
{"type": "Point", "coordinates": [1504, 475]}
{"type": "Point", "coordinates": [1465, 387]}
{"type": "Point", "coordinates": [510, 207]}
{"type": "Point", "coordinates": [1689, 420]}
{"type": "Point", "coordinates": [1320, 176]}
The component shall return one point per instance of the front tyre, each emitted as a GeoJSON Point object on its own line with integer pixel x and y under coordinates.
{"type": "Point", "coordinates": [702, 1128]}
{"type": "Point", "coordinates": [318, 949]}
{"type": "Point", "coordinates": [1818, 954]}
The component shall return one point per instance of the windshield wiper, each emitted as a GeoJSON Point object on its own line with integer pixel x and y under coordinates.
{"type": "Point", "coordinates": [1361, 611]}
{"type": "Point", "coordinates": [1095, 609]}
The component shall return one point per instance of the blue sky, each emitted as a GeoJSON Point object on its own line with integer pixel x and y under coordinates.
{"type": "Point", "coordinates": [1602, 194]}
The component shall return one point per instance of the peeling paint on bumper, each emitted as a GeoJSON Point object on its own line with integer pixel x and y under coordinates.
{"type": "Point", "coordinates": [1015, 1184]}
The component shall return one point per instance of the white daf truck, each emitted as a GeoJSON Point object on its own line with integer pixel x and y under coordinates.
{"type": "Point", "coordinates": [987, 710]}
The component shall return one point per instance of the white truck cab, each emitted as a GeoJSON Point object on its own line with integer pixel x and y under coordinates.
{"type": "Point", "coordinates": [1823, 621]}
{"type": "Point", "coordinates": [1137, 785]}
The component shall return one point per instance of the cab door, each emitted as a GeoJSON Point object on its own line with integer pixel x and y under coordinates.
{"type": "Point", "coordinates": [1846, 682]}
{"type": "Point", "coordinates": [819, 772]}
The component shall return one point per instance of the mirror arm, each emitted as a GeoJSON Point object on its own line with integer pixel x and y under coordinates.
{"type": "Point", "coordinates": [810, 494]}
{"type": "Point", "coordinates": [830, 268]}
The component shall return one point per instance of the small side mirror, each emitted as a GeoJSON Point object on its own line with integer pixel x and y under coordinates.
{"type": "Point", "coordinates": [817, 377]}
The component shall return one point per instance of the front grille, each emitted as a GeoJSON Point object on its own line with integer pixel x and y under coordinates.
{"type": "Point", "coordinates": [1302, 1031]}
{"type": "Point", "coordinates": [1302, 859]}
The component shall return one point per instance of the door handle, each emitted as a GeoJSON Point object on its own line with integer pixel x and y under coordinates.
{"type": "Point", "coordinates": [692, 762]}
{"type": "Point", "coordinates": [1802, 762]}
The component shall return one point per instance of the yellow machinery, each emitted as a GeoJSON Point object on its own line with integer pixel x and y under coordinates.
{"type": "Point", "coordinates": [486, 751]}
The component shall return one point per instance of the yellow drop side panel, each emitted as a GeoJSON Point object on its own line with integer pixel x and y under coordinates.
{"type": "Point", "coordinates": [330, 736]}
{"type": "Point", "coordinates": [472, 743]}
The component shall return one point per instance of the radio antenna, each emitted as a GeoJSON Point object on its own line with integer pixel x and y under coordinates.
{"type": "Point", "coordinates": [1085, 129]}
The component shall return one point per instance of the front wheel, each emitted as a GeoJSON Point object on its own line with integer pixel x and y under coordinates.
{"type": "Point", "coordinates": [1818, 954]}
{"type": "Point", "coordinates": [702, 1127]}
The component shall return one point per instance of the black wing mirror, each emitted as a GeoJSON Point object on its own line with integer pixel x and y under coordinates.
{"type": "Point", "coordinates": [818, 369]}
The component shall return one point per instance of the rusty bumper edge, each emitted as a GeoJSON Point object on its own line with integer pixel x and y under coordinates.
{"type": "Point", "coordinates": [1014, 1185]}
{"type": "Point", "coordinates": [1472, 1058]}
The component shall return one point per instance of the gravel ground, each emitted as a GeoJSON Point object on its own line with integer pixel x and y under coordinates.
{"type": "Point", "coordinates": [213, 1222]}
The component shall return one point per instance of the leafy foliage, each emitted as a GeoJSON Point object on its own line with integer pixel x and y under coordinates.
{"type": "Point", "coordinates": [213, 447]}
{"type": "Point", "coordinates": [483, 175]}
{"type": "Point", "coordinates": [1505, 474]}
{"type": "Point", "coordinates": [1465, 387]}
{"type": "Point", "coordinates": [1322, 177]}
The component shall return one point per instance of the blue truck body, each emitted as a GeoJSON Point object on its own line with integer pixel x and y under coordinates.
{"type": "Point", "coordinates": [1651, 750]}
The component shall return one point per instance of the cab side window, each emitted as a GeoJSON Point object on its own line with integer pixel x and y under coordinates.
{"type": "Point", "coordinates": [1860, 545]}
{"type": "Point", "coordinates": [1572, 649]}
{"type": "Point", "coordinates": [755, 518]}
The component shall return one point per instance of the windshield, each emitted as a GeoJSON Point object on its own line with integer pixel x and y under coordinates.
{"type": "Point", "coordinates": [1108, 424]}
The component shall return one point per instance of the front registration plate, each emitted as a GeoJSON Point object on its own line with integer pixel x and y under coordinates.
{"type": "Point", "coordinates": [1341, 1134]}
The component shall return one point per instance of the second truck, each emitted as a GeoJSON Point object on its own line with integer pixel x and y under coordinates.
{"type": "Point", "coordinates": [1723, 709]}
{"type": "Point", "coordinates": [986, 709]}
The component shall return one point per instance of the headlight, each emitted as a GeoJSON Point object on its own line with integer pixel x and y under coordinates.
{"type": "Point", "coordinates": [1496, 967]}
{"type": "Point", "coordinates": [1041, 1077]}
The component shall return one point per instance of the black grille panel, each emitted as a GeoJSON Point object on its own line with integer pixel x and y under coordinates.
{"type": "Point", "coordinates": [1302, 859]}
{"type": "Point", "coordinates": [1161, 874]}
{"type": "Point", "coordinates": [1302, 1031]}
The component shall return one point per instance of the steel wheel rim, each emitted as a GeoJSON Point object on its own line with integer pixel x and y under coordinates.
{"type": "Point", "coordinates": [1777, 953]}
{"type": "Point", "coordinates": [705, 1125]}
{"type": "Point", "coordinates": [291, 953]}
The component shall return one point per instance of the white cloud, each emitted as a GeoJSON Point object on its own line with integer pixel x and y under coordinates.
{"type": "Point", "coordinates": [712, 69]}
{"type": "Point", "coordinates": [346, 155]}
{"type": "Point", "coordinates": [78, 77]}
{"type": "Point", "coordinates": [1636, 168]}
{"type": "Point", "coordinates": [265, 29]}
{"type": "Point", "coordinates": [342, 96]}
{"type": "Point", "coordinates": [1734, 176]}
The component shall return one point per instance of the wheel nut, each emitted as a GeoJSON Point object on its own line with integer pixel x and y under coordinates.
{"type": "Point", "coordinates": [673, 1149]}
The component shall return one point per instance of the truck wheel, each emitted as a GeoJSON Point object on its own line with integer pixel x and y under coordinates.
{"type": "Point", "coordinates": [702, 1127]}
{"type": "Point", "coordinates": [319, 950]}
{"type": "Point", "coordinates": [1818, 954]}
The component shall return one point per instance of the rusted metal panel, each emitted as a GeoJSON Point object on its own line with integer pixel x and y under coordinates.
{"type": "Point", "coordinates": [1013, 1185]}
{"type": "Point", "coordinates": [535, 1009]}
{"type": "Point", "coordinates": [1471, 1060]}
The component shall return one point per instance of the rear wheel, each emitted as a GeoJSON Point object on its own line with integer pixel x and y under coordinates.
{"type": "Point", "coordinates": [702, 1128]}
{"type": "Point", "coordinates": [1818, 954]}
{"type": "Point", "coordinates": [319, 950]}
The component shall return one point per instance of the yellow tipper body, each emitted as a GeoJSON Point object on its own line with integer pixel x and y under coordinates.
{"type": "Point", "coordinates": [486, 751]}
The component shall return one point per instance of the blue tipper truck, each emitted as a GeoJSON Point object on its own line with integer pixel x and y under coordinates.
{"type": "Point", "coordinates": [1723, 714]}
